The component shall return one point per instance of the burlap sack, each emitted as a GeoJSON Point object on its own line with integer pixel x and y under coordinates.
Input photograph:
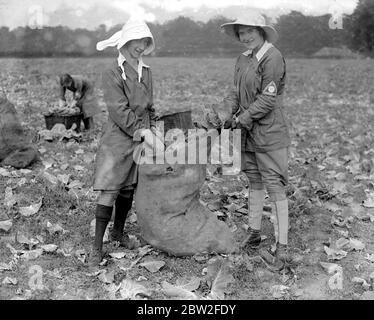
{"type": "Point", "coordinates": [169, 211]}
{"type": "Point", "coordinates": [171, 216]}
{"type": "Point", "coordinates": [15, 147]}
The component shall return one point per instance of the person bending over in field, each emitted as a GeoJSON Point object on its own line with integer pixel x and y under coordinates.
{"type": "Point", "coordinates": [128, 94]}
{"type": "Point", "coordinates": [83, 96]}
{"type": "Point", "coordinates": [256, 107]}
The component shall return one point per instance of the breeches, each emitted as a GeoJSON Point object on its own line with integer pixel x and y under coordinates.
{"type": "Point", "coordinates": [267, 169]}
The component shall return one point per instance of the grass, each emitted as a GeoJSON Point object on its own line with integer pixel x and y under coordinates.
{"type": "Point", "coordinates": [330, 107]}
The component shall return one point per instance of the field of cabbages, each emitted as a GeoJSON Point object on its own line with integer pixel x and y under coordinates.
{"type": "Point", "coordinates": [46, 210]}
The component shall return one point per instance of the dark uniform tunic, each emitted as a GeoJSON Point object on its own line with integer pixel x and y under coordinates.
{"type": "Point", "coordinates": [129, 103]}
{"type": "Point", "coordinates": [260, 85]}
{"type": "Point", "coordinates": [265, 137]}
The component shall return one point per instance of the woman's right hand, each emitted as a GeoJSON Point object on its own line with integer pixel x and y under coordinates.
{"type": "Point", "coordinates": [152, 140]}
{"type": "Point", "coordinates": [61, 103]}
{"type": "Point", "coordinates": [157, 132]}
{"type": "Point", "coordinates": [230, 124]}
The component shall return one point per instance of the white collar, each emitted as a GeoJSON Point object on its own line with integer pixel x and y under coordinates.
{"type": "Point", "coordinates": [121, 59]}
{"type": "Point", "coordinates": [265, 47]}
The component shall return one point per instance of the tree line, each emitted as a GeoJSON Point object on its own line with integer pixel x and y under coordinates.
{"type": "Point", "coordinates": [300, 36]}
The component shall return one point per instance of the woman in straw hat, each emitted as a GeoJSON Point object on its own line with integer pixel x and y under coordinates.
{"type": "Point", "coordinates": [256, 105]}
{"type": "Point", "coordinates": [127, 87]}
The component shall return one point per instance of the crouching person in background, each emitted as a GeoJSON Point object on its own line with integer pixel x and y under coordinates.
{"type": "Point", "coordinates": [83, 97]}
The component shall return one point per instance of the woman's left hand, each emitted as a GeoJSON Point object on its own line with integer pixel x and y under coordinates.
{"type": "Point", "coordinates": [232, 123]}
{"type": "Point", "coordinates": [229, 124]}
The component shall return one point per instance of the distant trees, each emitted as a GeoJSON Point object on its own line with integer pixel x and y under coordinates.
{"type": "Point", "coordinates": [300, 35]}
{"type": "Point", "coordinates": [7, 40]}
{"type": "Point", "coordinates": [185, 37]}
{"type": "Point", "coordinates": [181, 36]}
{"type": "Point", "coordinates": [48, 41]}
{"type": "Point", "coordinates": [362, 26]}
{"type": "Point", "coordinates": [214, 38]}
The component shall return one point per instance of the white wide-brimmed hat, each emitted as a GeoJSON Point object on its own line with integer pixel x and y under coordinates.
{"type": "Point", "coordinates": [132, 30]}
{"type": "Point", "coordinates": [253, 20]}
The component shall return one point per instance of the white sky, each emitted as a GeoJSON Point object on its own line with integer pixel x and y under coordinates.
{"type": "Point", "coordinates": [18, 12]}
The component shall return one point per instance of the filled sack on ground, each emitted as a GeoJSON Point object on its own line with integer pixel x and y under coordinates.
{"type": "Point", "coordinates": [169, 211]}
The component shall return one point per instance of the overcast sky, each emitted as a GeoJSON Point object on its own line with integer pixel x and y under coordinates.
{"type": "Point", "coordinates": [91, 13]}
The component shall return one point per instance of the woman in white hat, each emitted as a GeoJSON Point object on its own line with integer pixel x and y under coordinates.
{"type": "Point", "coordinates": [127, 87]}
{"type": "Point", "coordinates": [256, 105]}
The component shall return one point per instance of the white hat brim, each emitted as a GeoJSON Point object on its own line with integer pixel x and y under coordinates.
{"type": "Point", "coordinates": [229, 29]}
{"type": "Point", "coordinates": [147, 51]}
{"type": "Point", "coordinates": [132, 30]}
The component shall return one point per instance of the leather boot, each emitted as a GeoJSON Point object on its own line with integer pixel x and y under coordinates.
{"type": "Point", "coordinates": [255, 208]}
{"type": "Point", "coordinates": [103, 215]}
{"type": "Point", "coordinates": [122, 208]}
{"type": "Point", "coordinates": [283, 258]}
{"type": "Point", "coordinates": [253, 239]}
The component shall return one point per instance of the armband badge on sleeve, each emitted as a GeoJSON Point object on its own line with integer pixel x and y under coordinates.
{"type": "Point", "coordinates": [270, 89]}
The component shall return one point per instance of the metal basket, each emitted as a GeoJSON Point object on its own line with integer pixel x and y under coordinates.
{"type": "Point", "coordinates": [67, 120]}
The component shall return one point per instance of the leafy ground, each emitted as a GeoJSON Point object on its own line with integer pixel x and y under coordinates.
{"type": "Point", "coordinates": [46, 211]}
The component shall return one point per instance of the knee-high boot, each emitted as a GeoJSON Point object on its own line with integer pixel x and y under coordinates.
{"type": "Point", "coordinates": [103, 214]}
{"type": "Point", "coordinates": [122, 208]}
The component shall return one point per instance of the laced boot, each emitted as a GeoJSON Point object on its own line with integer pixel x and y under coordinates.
{"type": "Point", "coordinates": [283, 258]}
{"type": "Point", "coordinates": [253, 239]}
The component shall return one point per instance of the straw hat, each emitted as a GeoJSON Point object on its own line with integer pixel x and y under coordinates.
{"type": "Point", "coordinates": [254, 20]}
{"type": "Point", "coordinates": [132, 30]}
